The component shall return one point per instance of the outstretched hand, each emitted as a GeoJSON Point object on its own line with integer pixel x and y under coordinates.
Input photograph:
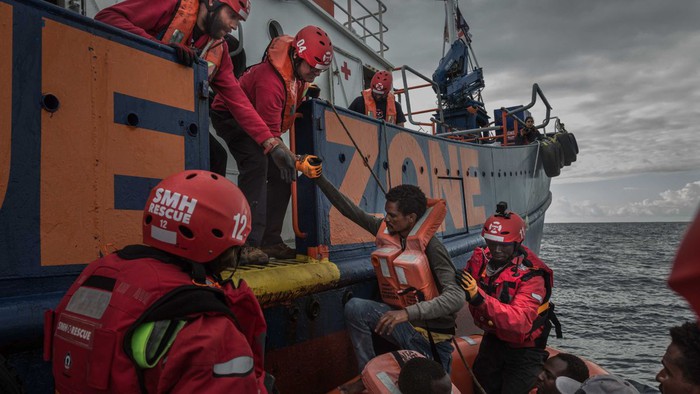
{"type": "Point", "coordinates": [309, 165]}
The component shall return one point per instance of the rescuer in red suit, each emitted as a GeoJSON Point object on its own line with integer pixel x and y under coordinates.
{"type": "Point", "coordinates": [508, 288]}
{"type": "Point", "coordinates": [158, 318]}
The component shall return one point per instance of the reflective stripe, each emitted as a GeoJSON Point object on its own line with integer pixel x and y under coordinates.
{"type": "Point", "coordinates": [401, 275]}
{"type": "Point", "coordinates": [388, 383]}
{"type": "Point", "coordinates": [493, 237]}
{"type": "Point", "coordinates": [169, 237]}
{"type": "Point", "coordinates": [89, 302]}
{"type": "Point", "coordinates": [385, 267]}
{"type": "Point", "coordinates": [239, 366]}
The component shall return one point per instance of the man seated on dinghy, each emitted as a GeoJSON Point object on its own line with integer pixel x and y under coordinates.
{"type": "Point", "coordinates": [562, 364]}
{"type": "Point", "coordinates": [599, 384]}
{"type": "Point", "coordinates": [681, 363]}
{"type": "Point", "coordinates": [405, 370]}
{"type": "Point", "coordinates": [378, 101]}
{"type": "Point", "coordinates": [407, 318]}
{"type": "Point", "coordinates": [508, 288]}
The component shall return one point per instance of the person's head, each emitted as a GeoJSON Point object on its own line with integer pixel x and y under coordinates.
{"type": "Point", "coordinates": [405, 204]}
{"type": "Point", "coordinates": [199, 216]}
{"type": "Point", "coordinates": [381, 85]}
{"type": "Point", "coordinates": [562, 364]}
{"type": "Point", "coordinates": [681, 363]}
{"type": "Point", "coordinates": [312, 53]}
{"type": "Point", "coordinates": [529, 121]}
{"type": "Point", "coordinates": [424, 376]}
{"type": "Point", "coordinates": [503, 232]}
{"type": "Point", "coordinates": [599, 384]}
{"type": "Point", "coordinates": [219, 17]}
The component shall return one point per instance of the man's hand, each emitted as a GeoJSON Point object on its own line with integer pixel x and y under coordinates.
{"type": "Point", "coordinates": [185, 54]}
{"type": "Point", "coordinates": [285, 160]}
{"type": "Point", "coordinates": [313, 91]}
{"type": "Point", "coordinates": [468, 284]}
{"type": "Point", "coordinates": [309, 165]}
{"type": "Point", "coordinates": [389, 320]}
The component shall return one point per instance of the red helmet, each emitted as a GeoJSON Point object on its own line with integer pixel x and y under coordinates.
{"type": "Point", "coordinates": [381, 82]}
{"type": "Point", "coordinates": [240, 7]}
{"type": "Point", "coordinates": [504, 226]}
{"type": "Point", "coordinates": [314, 46]}
{"type": "Point", "coordinates": [196, 215]}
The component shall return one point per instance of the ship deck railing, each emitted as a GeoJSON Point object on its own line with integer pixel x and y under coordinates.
{"type": "Point", "coordinates": [480, 135]}
{"type": "Point", "coordinates": [364, 21]}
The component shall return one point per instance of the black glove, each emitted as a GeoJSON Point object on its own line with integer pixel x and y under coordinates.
{"type": "Point", "coordinates": [285, 160]}
{"type": "Point", "coordinates": [185, 54]}
{"type": "Point", "coordinates": [313, 91]}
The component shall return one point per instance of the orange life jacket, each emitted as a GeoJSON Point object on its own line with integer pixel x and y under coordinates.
{"type": "Point", "coordinates": [371, 106]}
{"type": "Point", "coordinates": [381, 374]}
{"type": "Point", "coordinates": [404, 274]}
{"type": "Point", "coordinates": [180, 29]}
{"type": "Point", "coordinates": [277, 54]}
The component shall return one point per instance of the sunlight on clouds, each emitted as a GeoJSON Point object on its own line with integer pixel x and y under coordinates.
{"type": "Point", "coordinates": [672, 205]}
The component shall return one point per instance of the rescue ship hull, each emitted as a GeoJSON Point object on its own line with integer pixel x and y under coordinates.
{"type": "Point", "coordinates": [83, 138]}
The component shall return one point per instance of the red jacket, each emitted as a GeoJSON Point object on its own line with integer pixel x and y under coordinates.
{"type": "Point", "coordinates": [509, 308]}
{"type": "Point", "coordinates": [219, 349]}
{"type": "Point", "coordinates": [267, 92]}
{"type": "Point", "coordinates": [148, 19]}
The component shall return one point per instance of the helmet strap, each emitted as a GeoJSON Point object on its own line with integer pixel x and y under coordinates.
{"type": "Point", "coordinates": [296, 62]}
{"type": "Point", "coordinates": [198, 273]}
{"type": "Point", "coordinates": [214, 5]}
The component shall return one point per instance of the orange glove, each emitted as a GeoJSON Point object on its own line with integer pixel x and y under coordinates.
{"type": "Point", "coordinates": [309, 165]}
{"type": "Point", "coordinates": [468, 284]}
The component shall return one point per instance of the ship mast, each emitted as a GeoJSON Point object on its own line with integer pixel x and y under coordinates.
{"type": "Point", "coordinates": [450, 20]}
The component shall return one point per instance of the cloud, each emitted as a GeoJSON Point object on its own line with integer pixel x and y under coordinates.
{"type": "Point", "coordinates": [670, 205]}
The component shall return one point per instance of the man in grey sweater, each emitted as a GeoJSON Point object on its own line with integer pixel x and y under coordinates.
{"type": "Point", "coordinates": [407, 328]}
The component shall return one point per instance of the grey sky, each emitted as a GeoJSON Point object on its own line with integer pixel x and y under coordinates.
{"type": "Point", "coordinates": [623, 75]}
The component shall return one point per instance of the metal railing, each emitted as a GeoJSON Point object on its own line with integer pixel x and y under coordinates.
{"type": "Point", "coordinates": [366, 24]}
{"type": "Point", "coordinates": [406, 92]}
{"type": "Point", "coordinates": [536, 91]}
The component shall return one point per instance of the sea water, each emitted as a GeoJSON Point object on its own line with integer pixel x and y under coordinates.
{"type": "Point", "coordinates": [611, 293]}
